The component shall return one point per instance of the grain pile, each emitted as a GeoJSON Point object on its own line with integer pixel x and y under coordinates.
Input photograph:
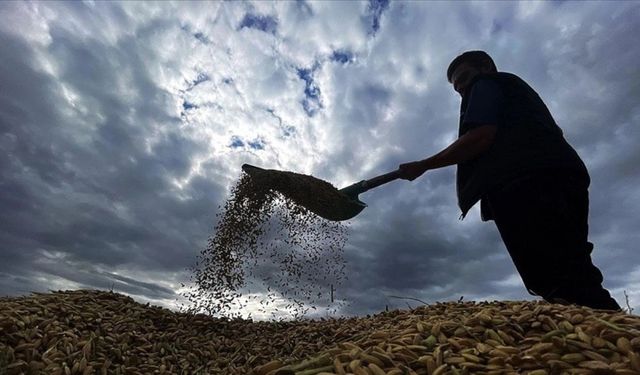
{"type": "Point", "coordinates": [92, 332]}
{"type": "Point", "coordinates": [97, 332]}
{"type": "Point", "coordinates": [269, 246]}
{"type": "Point", "coordinates": [486, 338]}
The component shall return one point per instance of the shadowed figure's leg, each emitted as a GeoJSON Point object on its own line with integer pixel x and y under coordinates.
{"type": "Point", "coordinates": [543, 223]}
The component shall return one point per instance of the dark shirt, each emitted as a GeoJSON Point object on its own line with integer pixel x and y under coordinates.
{"type": "Point", "coordinates": [528, 141]}
{"type": "Point", "coordinates": [486, 105]}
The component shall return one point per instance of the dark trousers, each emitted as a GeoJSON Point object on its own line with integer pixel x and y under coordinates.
{"type": "Point", "coordinates": [543, 222]}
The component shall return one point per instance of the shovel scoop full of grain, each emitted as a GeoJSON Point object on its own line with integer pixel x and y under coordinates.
{"type": "Point", "coordinates": [316, 195]}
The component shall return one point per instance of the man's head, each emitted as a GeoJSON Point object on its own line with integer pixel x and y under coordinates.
{"type": "Point", "coordinates": [466, 66]}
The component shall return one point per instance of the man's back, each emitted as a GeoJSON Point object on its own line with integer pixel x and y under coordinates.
{"type": "Point", "coordinates": [527, 140]}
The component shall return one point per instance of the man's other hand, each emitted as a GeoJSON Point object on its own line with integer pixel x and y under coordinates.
{"type": "Point", "coordinates": [413, 170]}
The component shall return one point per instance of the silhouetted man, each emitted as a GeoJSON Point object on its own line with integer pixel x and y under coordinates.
{"type": "Point", "coordinates": [513, 158]}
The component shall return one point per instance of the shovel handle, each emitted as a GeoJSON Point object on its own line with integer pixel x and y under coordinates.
{"type": "Point", "coordinates": [380, 180]}
{"type": "Point", "coordinates": [352, 191]}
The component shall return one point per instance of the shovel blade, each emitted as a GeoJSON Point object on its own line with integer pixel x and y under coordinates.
{"type": "Point", "coordinates": [316, 195]}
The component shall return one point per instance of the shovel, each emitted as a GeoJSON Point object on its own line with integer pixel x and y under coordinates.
{"type": "Point", "coordinates": [318, 196]}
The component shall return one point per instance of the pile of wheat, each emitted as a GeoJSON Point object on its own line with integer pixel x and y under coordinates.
{"type": "Point", "coordinates": [534, 338]}
{"type": "Point", "coordinates": [92, 332]}
{"type": "Point", "coordinates": [97, 332]}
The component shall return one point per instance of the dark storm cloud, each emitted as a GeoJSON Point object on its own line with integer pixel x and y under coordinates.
{"type": "Point", "coordinates": [94, 186]}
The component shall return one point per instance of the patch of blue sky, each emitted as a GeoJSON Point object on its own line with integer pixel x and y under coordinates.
{"type": "Point", "coordinates": [202, 77]}
{"type": "Point", "coordinates": [311, 90]}
{"type": "Point", "coordinates": [311, 107]}
{"type": "Point", "coordinates": [257, 144]}
{"type": "Point", "coordinates": [236, 142]}
{"type": "Point", "coordinates": [198, 35]}
{"type": "Point", "coordinates": [187, 106]}
{"type": "Point", "coordinates": [304, 8]}
{"type": "Point", "coordinates": [376, 8]}
{"type": "Point", "coordinates": [343, 57]}
{"type": "Point", "coordinates": [201, 37]}
{"type": "Point", "coordinates": [287, 130]}
{"type": "Point", "coordinates": [311, 102]}
{"type": "Point", "coordinates": [267, 24]}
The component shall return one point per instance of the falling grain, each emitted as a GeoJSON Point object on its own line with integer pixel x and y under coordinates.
{"type": "Point", "coordinates": [267, 241]}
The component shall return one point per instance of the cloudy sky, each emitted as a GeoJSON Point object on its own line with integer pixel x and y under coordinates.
{"type": "Point", "coordinates": [124, 125]}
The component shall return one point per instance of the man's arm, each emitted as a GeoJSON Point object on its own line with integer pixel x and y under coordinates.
{"type": "Point", "coordinates": [469, 146]}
